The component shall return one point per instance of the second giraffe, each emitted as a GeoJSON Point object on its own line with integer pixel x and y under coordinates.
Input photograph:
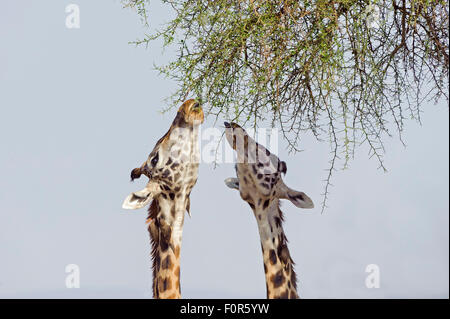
{"type": "Point", "coordinates": [260, 184]}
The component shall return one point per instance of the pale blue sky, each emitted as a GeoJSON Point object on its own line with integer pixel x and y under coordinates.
{"type": "Point", "coordinates": [80, 109]}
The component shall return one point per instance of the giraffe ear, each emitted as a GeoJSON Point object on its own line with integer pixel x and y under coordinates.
{"type": "Point", "coordinates": [232, 183]}
{"type": "Point", "coordinates": [137, 200]}
{"type": "Point", "coordinates": [299, 199]}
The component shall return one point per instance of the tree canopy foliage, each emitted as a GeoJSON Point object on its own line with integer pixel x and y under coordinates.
{"type": "Point", "coordinates": [349, 71]}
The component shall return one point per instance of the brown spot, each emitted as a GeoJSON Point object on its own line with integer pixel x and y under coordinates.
{"type": "Point", "coordinates": [234, 142]}
{"type": "Point", "coordinates": [266, 203]}
{"type": "Point", "coordinates": [164, 245]}
{"type": "Point", "coordinates": [164, 284]}
{"type": "Point", "coordinates": [165, 174]}
{"type": "Point", "coordinates": [272, 257]}
{"type": "Point", "coordinates": [265, 268]}
{"type": "Point", "coordinates": [167, 263]}
{"type": "Point", "coordinates": [277, 279]}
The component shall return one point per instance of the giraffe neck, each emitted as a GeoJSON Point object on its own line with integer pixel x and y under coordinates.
{"type": "Point", "coordinates": [168, 210]}
{"type": "Point", "coordinates": [281, 281]}
{"type": "Point", "coordinates": [166, 228]}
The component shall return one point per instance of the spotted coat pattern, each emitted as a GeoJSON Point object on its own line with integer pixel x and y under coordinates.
{"type": "Point", "coordinates": [259, 180]}
{"type": "Point", "coordinates": [173, 167]}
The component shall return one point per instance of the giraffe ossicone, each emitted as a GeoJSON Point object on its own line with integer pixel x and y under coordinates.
{"type": "Point", "coordinates": [172, 170]}
{"type": "Point", "coordinates": [260, 184]}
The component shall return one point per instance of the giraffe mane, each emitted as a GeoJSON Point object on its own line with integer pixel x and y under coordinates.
{"type": "Point", "coordinates": [160, 234]}
{"type": "Point", "coordinates": [283, 250]}
{"type": "Point", "coordinates": [154, 241]}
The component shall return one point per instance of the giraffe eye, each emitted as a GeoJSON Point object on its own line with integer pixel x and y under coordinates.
{"type": "Point", "coordinates": [155, 160]}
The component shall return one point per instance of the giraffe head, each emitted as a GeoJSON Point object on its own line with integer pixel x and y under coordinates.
{"type": "Point", "coordinates": [259, 172]}
{"type": "Point", "coordinates": [168, 165]}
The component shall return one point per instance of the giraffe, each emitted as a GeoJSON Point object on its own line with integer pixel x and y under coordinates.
{"type": "Point", "coordinates": [260, 184]}
{"type": "Point", "coordinates": [172, 169]}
